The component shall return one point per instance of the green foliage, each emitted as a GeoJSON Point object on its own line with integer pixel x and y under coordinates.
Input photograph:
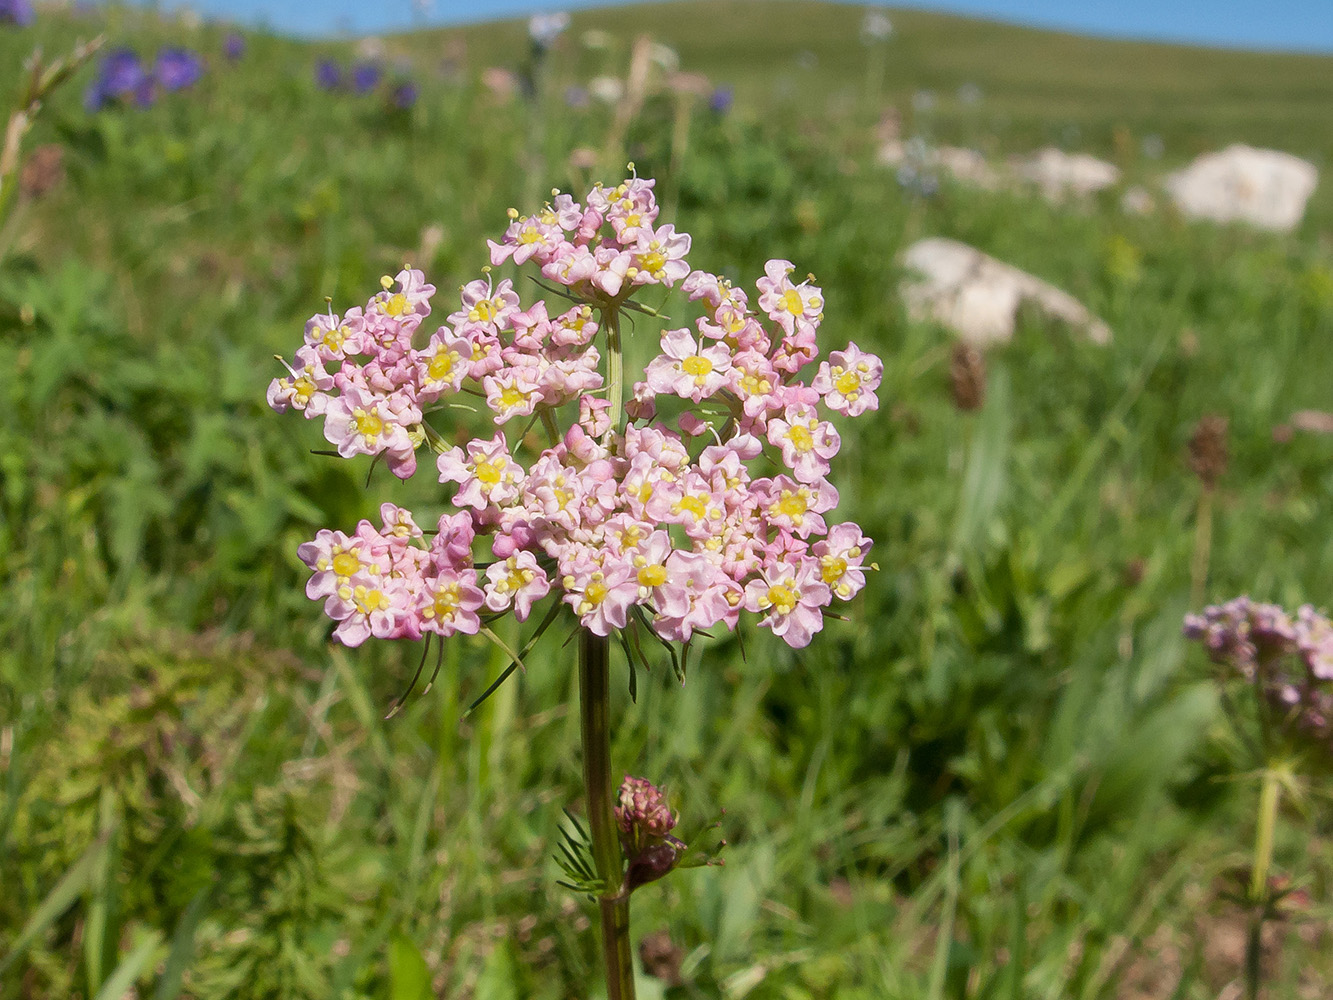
{"type": "Point", "coordinates": [998, 780]}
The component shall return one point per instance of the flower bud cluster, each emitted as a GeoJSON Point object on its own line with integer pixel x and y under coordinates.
{"type": "Point", "coordinates": [1289, 657]}
{"type": "Point", "coordinates": [681, 527]}
{"type": "Point", "coordinates": [645, 822]}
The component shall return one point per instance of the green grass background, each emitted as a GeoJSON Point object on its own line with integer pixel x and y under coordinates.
{"type": "Point", "coordinates": [1006, 776]}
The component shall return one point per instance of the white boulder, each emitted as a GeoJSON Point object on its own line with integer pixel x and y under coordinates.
{"type": "Point", "coordinates": [1060, 175]}
{"type": "Point", "coordinates": [978, 297]}
{"type": "Point", "coordinates": [965, 165]}
{"type": "Point", "coordinates": [1263, 187]}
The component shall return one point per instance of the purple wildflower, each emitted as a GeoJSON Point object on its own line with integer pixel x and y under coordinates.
{"type": "Point", "coordinates": [720, 100]}
{"type": "Point", "coordinates": [366, 77]}
{"type": "Point", "coordinates": [576, 96]}
{"type": "Point", "coordinates": [120, 76]}
{"type": "Point", "coordinates": [404, 95]}
{"type": "Point", "coordinates": [233, 46]}
{"type": "Point", "coordinates": [17, 12]}
{"type": "Point", "coordinates": [328, 75]}
{"type": "Point", "coordinates": [178, 68]}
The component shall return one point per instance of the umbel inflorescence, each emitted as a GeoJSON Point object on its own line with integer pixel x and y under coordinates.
{"type": "Point", "coordinates": [630, 515]}
{"type": "Point", "coordinates": [1288, 658]}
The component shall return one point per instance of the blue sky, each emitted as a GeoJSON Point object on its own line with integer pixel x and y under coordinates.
{"type": "Point", "coordinates": [1277, 24]}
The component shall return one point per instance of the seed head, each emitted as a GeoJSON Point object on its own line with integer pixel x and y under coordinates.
{"type": "Point", "coordinates": [1208, 449]}
{"type": "Point", "coordinates": [967, 377]}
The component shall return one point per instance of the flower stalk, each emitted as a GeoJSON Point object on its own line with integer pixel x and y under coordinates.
{"type": "Point", "coordinates": [595, 729]}
{"type": "Point", "coordinates": [615, 367]}
{"type": "Point", "coordinates": [1270, 795]}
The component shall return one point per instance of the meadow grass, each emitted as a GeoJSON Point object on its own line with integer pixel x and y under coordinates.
{"type": "Point", "coordinates": [1005, 776]}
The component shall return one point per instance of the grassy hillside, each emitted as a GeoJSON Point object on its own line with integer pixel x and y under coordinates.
{"type": "Point", "coordinates": [800, 57]}
{"type": "Point", "coordinates": [1006, 776]}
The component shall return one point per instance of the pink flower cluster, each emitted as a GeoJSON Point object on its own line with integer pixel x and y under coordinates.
{"type": "Point", "coordinates": [1289, 657]}
{"type": "Point", "coordinates": [680, 527]}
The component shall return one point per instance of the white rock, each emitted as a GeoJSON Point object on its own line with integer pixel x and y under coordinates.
{"type": "Point", "coordinates": [966, 165]}
{"type": "Point", "coordinates": [978, 297]}
{"type": "Point", "coordinates": [1059, 174]}
{"type": "Point", "coordinates": [1263, 187]}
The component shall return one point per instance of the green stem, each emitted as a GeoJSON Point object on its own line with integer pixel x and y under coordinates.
{"type": "Point", "coordinates": [595, 727]}
{"type": "Point", "coordinates": [1269, 796]}
{"type": "Point", "coordinates": [615, 366]}
{"type": "Point", "coordinates": [1253, 957]}
{"type": "Point", "coordinates": [552, 429]}
{"type": "Point", "coordinates": [1203, 544]}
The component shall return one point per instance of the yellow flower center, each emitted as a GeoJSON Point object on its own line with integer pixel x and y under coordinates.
{"type": "Point", "coordinates": [831, 568]}
{"type": "Point", "coordinates": [446, 601]}
{"type": "Point", "coordinates": [652, 262]}
{"type": "Point", "coordinates": [595, 593]}
{"type": "Point", "coordinates": [333, 339]}
{"type": "Point", "coordinates": [756, 385]}
{"type": "Point", "coordinates": [783, 598]}
{"type": "Point", "coordinates": [696, 365]}
{"type": "Point", "coordinates": [847, 383]}
{"type": "Point", "coordinates": [791, 301]}
{"type": "Point", "coordinates": [442, 365]}
{"type": "Point", "coordinates": [396, 305]}
{"type": "Point", "coordinates": [368, 425]}
{"type": "Point", "coordinates": [511, 397]}
{"type": "Point", "coordinates": [696, 505]}
{"type": "Point", "coordinates": [652, 576]}
{"type": "Point", "coordinates": [801, 438]}
{"type": "Point", "coordinates": [487, 471]}
{"type": "Point", "coordinates": [345, 564]}
{"type": "Point", "coordinates": [793, 505]}
{"type": "Point", "coordinates": [368, 600]}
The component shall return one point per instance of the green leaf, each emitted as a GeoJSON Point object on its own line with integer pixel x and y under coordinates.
{"type": "Point", "coordinates": [501, 978]}
{"type": "Point", "coordinates": [70, 887]}
{"type": "Point", "coordinates": [987, 462]}
{"type": "Point", "coordinates": [409, 976]}
{"type": "Point", "coordinates": [120, 981]}
{"type": "Point", "coordinates": [182, 946]}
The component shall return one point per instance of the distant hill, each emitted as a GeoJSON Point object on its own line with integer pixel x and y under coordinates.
{"type": "Point", "coordinates": [806, 58]}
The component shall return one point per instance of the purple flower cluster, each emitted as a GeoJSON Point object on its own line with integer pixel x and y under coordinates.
{"type": "Point", "coordinates": [17, 12]}
{"type": "Point", "coordinates": [364, 78]}
{"type": "Point", "coordinates": [123, 77]}
{"type": "Point", "coordinates": [1290, 657]}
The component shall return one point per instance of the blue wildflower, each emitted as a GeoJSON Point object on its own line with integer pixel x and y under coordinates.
{"type": "Point", "coordinates": [366, 77]}
{"type": "Point", "coordinates": [328, 75]}
{"type": "Point", "coordinates": [404, 95]}
{"type": "Point", "coordinates": [17, 12]}
{"type": "Point", "coordinates": [178, 68]}
{"type": "Point", "coordinates": [720, 100]}
{"type": "Point", "coordinates": [233, 46]}
{"type": "Point", "coordinates": [120, 76]}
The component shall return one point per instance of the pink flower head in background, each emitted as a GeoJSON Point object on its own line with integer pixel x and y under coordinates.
{"type": "Point", "coordinates": [1289, 658]}
{"type": "Point", "coordinates": [677, 522]}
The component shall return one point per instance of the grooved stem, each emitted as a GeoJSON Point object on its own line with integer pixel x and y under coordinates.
{"type": "Point", "coordinates": [595, 728]}
{"type": "Point", "coordinates": [615, 367]}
